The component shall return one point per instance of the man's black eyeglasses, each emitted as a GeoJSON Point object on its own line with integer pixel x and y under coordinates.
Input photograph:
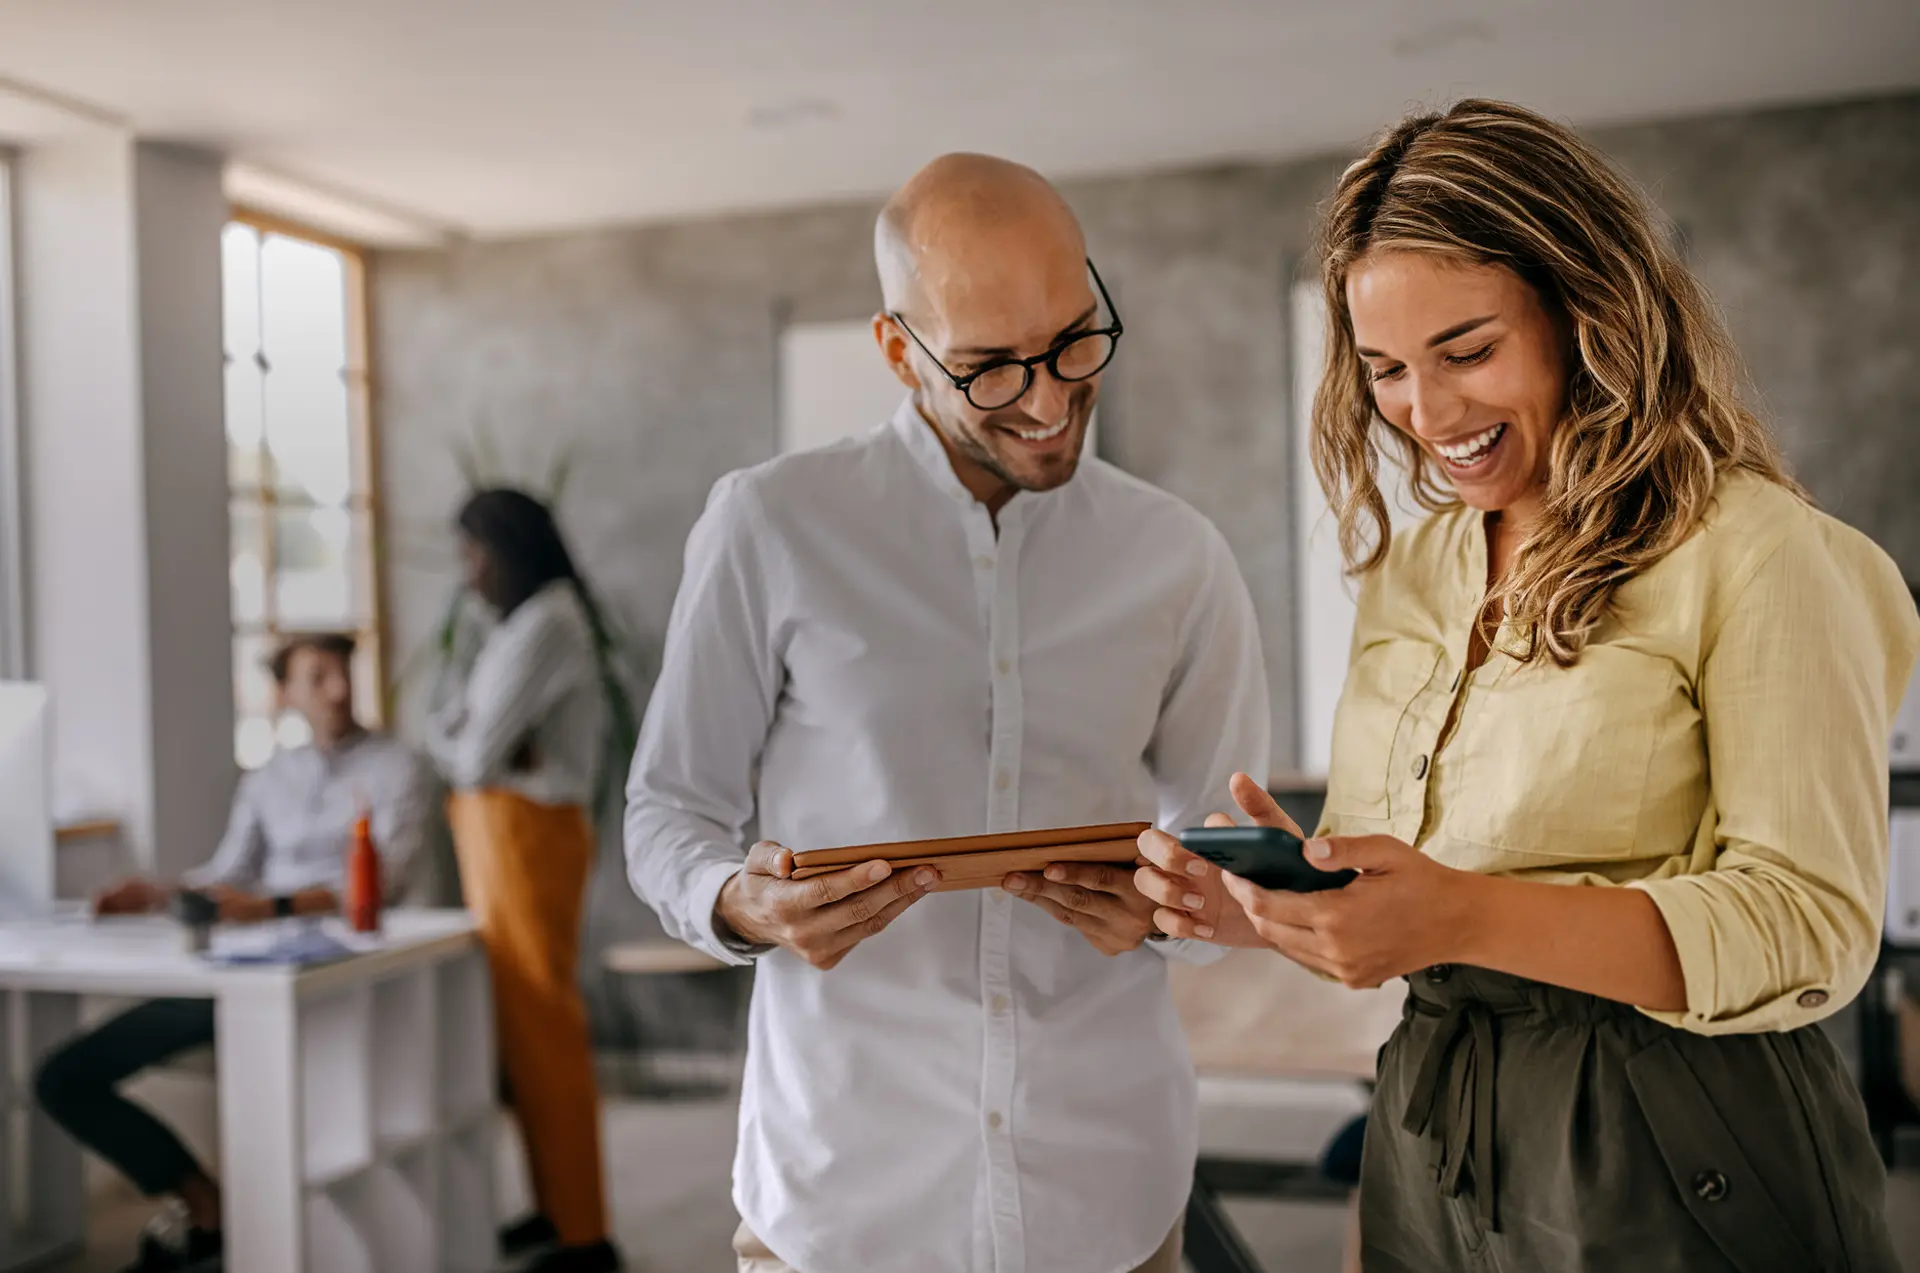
{"type": "Point", "coordinates": [1081, 356]}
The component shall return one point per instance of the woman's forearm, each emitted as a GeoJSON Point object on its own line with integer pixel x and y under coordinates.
{"type": "Point", "coordinates": [1610, 942]}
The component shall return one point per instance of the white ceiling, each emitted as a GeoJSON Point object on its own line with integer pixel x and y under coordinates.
{"type": "Point", "coordinates": [500, 117]}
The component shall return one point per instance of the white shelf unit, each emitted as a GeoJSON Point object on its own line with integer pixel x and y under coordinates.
{"type": "Point", "coordinates": [42, 1200]}
{"type": "Point", "coordinates": [397, 1128]}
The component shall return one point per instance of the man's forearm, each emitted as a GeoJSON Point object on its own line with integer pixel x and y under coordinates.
{"type": "Point", "coordinates": [1610, 942]}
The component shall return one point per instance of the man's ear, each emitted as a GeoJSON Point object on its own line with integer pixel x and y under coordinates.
{"type": "Point", "coordinates": [895, 347]}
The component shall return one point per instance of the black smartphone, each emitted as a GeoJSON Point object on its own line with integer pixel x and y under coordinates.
{"type": "Point", "coordinates": [1267, 856]}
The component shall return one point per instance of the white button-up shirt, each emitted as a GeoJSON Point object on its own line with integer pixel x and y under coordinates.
{"type": "Point", "coordinates": [855, 656]}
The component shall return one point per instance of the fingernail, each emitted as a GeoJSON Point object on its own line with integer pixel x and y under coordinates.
{"type": "Point", "coordinates": [1016, 885]}
{"type": "Point", "coordinates": [1056, 873]}
{"type": "Point", "coordinates": [1193, 901]}
{"type": "Point", "coordinates": [878, 871]}
{"type": "Point", "coordinates": [1196, 867]}
{"type": "Point", "coordinates": [1319, 850]}
{"type": "Point", "coordinates": [1203, 931]}
{"type": "Point", "coordinates": [925, 878]}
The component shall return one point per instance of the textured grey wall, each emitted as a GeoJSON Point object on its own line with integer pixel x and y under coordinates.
{"type": "Point", "coordinates": [650, 351]}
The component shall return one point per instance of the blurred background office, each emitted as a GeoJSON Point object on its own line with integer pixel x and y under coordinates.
{"type": "Point", "coordinates": [282, 284]}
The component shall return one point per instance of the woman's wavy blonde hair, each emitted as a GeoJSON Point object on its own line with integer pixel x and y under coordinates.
{"type": "Point", "coordinates": [1653, 413]}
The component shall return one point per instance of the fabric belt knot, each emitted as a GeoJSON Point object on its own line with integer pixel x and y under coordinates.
{"type": "Point", "coordinates": [1460, 1059]}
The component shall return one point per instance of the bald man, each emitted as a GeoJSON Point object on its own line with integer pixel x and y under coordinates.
{"type": "Point", "coordinates": [955, 624]}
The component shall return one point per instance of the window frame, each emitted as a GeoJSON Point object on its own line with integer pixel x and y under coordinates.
{"type": "Point", "coordinates": [363, 438]}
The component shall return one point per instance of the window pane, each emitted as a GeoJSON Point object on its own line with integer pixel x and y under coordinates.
{"type": "Point", "coordinates": [252, 683]}
{"type": "Point", "coordinates": [319, 580]}
{"type": "Point", "coordinates": [304, 332]}
{"type": "Point", "coordinates": [308, 435]}
{"type": "Point", "coordinates": [246, 563]}
{"type": "Point", "coordinates": [240, 277]}
{"type": "Point", "coordinates": [240, 281]}
{"type": "Point", "coordinates": [244, 389]}
{"type": "Point", "coordinates": [291, 731]}
{"type": "Point", "coordinates": [252, 741]}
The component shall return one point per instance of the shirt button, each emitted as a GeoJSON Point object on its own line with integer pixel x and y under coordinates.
{"type": "Point", "coordinates": [1419, 767]}
{"type": "Point", "coordinates": [1439, 973]}
{"type": "Point", "coordinates": [1000, 1003]}
{"type": "Point", "coordinates": [985, 563]}
{"type": "Point", "coordinates": [1710, 1186]}
{"type": "Point", "coordinates": [993, 1120]}
{"type": "Point", "coordinates": [1002, 780]}
{"type": "Point", "coordinates": [1006, 666]}
{"type": "Point", "coordinates": [1812, 999]}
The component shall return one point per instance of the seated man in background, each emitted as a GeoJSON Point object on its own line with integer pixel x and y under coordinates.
{"type": "Point", "coordinates": [284, 854]}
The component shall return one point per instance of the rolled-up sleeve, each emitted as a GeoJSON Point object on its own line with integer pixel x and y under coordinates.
{"type": "Point", "coordinates": [690, 795]}
{"type": "Point", "coordinates": [1215, 718]}
{"type": "Point", "coordinates": [1798, 690]}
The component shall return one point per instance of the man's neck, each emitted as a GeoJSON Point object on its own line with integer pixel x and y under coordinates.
{"type": "Point", "coordinates": [353, 733]}
{"type": "Point", "coordinates": [988, 488]}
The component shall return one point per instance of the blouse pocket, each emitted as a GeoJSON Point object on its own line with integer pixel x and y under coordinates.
{"type": "Point", "coordinates": [1554, 762]}
{"type": "Point", "coordinates": [1381, 686]}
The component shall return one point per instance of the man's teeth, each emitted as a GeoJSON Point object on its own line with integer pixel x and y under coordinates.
{"type": "Point", "coordinates": [1473, 449]}
{"type": "Point", "coordinates": [1042, 435]}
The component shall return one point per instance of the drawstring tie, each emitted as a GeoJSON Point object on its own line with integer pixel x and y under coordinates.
{"type": "Point", "coordinates": [1460, 1058]}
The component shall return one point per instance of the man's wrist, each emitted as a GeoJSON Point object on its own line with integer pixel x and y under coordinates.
{"type": "Point", "coordinates": [726, 927]}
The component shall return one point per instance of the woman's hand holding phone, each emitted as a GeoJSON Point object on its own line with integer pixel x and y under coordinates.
{"type": "Point", "coordinates": [1190, 891]}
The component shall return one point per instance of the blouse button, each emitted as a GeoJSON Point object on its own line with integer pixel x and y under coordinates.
{"type": "Point", "coordinates": [1812, 999]}
{"type": "Point", "coordinates": [1419, 767]}
{"type": "Point", "coordinates": [1709, 1186]}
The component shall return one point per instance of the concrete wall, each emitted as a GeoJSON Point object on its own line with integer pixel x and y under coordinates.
{"type": "Point", "coordinates": [650, 351]}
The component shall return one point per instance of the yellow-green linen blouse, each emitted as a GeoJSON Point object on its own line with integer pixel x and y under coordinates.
{"type": "Point", "coordinates": [1721, 744]}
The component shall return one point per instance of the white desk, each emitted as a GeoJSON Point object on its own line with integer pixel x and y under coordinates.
{"type": "Point", "coordinates": [356, 1098]}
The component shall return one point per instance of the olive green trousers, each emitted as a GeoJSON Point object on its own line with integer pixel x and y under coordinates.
{"type": "Point", "coordinates": [1520, 1127]}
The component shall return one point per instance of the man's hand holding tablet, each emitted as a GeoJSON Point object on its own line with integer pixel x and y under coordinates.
{"type": "Point", "coordinates": [822, 917]}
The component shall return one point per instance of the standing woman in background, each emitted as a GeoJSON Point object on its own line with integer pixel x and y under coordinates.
{"type": "Point", "coordinates": [1612, 753]}
{"type": "Point", "coordinates": [520, 745]}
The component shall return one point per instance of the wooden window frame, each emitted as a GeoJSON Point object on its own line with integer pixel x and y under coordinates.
{"type": "Point", "coordinates": [363, 437]}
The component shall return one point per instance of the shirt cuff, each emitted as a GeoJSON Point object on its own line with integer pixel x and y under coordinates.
{"type": "Point", "coordinates": [704, 923]}
{"type": "Point", "coordinates": [1684, 904]}
{"type": "Point", "coordinates": [1186, 950]}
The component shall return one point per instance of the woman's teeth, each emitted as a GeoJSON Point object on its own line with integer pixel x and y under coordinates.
{"type": "Point", "coordinates": [1045, 434]}
{"type": "Point", "coordinates": [1466, 454]}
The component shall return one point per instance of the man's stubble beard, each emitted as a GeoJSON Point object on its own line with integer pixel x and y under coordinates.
{"type": "Point", "coordinates": [975, 448]}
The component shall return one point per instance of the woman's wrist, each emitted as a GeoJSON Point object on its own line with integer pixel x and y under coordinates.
{"type": "Point", "coordinates": [1472, 918]}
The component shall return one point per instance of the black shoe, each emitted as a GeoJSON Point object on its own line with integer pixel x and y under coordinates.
{"type": "Point", "coordinates": [169, 1245]}
{"type": "Point", "coordinates": [595, 1257]}
{"type": "Point", "coordinates": [527, 1235]}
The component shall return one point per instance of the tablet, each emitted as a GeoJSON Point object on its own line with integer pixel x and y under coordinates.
{"type": "Point", "coordinates": [982, 861]}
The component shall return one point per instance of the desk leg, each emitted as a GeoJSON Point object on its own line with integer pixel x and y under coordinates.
{"type": "Point", "coordinates": [49, 1201]}
{"type": "Point", "coordinates": [257, 1048]}
{"type": "Point", "coordinates": [1212, 1244]}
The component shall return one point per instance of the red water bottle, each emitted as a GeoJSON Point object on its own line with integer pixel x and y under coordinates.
{"type": "Point", "coordinates": [363, 879]}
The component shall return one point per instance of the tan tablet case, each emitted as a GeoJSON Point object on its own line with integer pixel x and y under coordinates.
{"type": "Point", "coordinates": [982, 861]}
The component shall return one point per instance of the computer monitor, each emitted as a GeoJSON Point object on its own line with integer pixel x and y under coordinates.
{"type": "Point", "coordinates": [26, 822]}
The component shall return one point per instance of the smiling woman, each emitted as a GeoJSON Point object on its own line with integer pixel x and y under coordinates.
{"type": "Point", "coordinates": [1611, 758]}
